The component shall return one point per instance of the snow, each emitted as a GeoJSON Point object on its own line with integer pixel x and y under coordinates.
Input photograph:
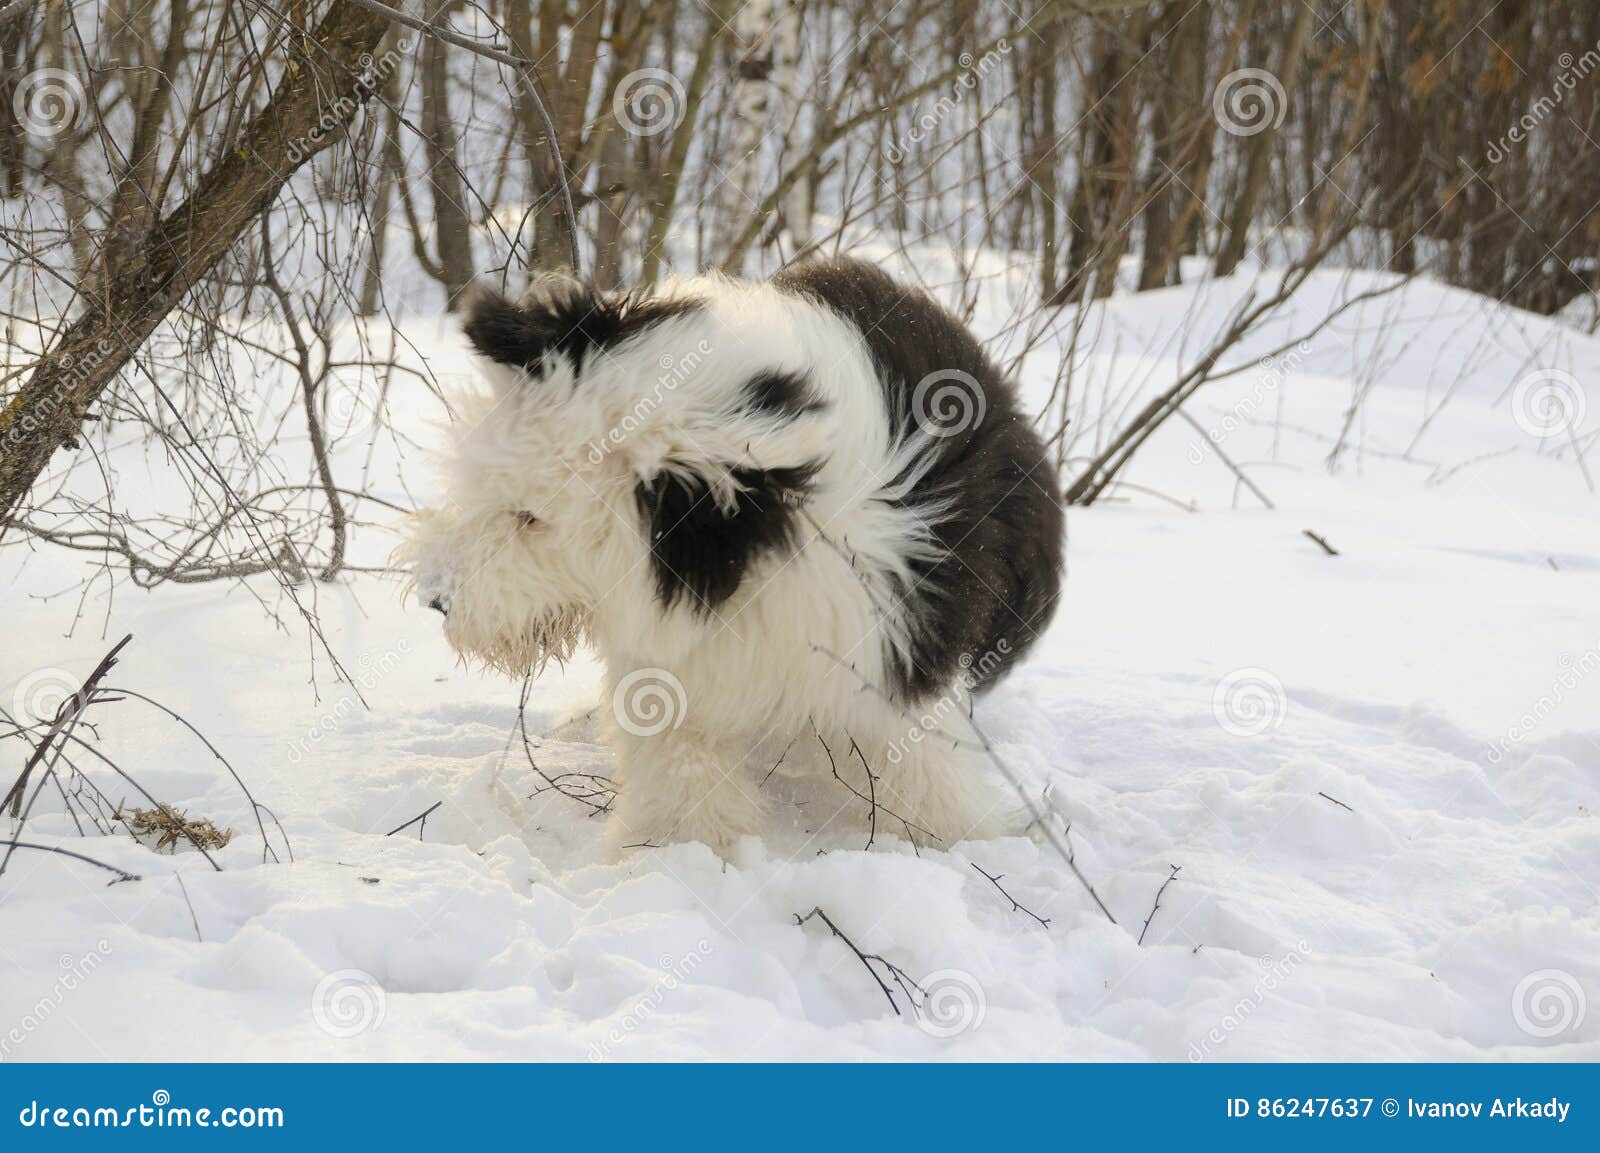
{"type": "Point", "coordinates": [1385, 830]}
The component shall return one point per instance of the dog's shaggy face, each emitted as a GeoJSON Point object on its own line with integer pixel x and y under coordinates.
{"type": "Point", "coordinates": [537, 518]}
{"type": "Point", "coordinates": [507, 557]}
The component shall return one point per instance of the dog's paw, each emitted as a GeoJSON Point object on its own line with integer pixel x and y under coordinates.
{"type": "Point", "coordinates": [714, 812]}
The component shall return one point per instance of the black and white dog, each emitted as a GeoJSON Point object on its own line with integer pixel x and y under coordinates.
{"type": "Point", "coordinates": [784, 514]}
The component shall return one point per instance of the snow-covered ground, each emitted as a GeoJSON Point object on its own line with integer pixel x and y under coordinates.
{"type": "Point", "coordinates": [1377, 772]}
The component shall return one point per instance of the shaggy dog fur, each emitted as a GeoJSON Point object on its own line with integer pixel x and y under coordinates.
{"type": "Point", "coordinates": [807, 508]}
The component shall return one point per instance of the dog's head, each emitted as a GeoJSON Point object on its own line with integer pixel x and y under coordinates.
{"type": "Point", "coordinates": [611, 451]}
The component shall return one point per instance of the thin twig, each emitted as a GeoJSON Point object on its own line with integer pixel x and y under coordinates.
{"type": "Point", "coordinates": [192, 916]}
{"type": "Point", "coordinates": [1176, 869]}
{"type": "Point", "coordinates": [1016, 905]}
{"type": "Point", "coordinates": [422, 816]}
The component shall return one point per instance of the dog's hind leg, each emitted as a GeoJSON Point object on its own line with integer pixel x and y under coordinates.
{"type": "Point", "coordinates": [939, 786]}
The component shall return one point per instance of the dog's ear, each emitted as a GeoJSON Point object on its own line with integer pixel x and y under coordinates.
{"type": "Point", "coordinates": [707, 525]}
{"type": "Point", "coordinates": [555, 315]}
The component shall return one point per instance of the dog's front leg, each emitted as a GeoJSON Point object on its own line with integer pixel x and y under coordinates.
{"type": "Point", "coordinates": [675, 786]}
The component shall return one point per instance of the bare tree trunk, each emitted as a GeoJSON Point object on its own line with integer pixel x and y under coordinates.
{"type": "Point", "coordinates": [786, 63]}
{"type": "Point", "coordinates": [682, 137]}
{"type": "Point", "coordinates": [752, 98]}
{"type": "Point", "coordinates": [11, 137]}
{"type": "Point", "coordinates": [134, 209]}
{"type": "Point", "coordinates": [1041, 87]}
{"type": "Point", "coordinates": [1258, 148]}
{"type": "Point", "coordinates": [452, 219]}
{"type": "Point", "coordinates": [61, 159]}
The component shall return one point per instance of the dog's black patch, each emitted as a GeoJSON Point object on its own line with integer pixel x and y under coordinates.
{"type": "Point", "coordinates": [785, 394]}
{"type": "Point", "coordinates": [569, 317]}
{"type": "Point", "coordinates": [701, 552]}
{"type": "Point", "coordinates": [989, 496]}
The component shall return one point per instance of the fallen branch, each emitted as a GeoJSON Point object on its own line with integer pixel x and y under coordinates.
{"type": "Point", "coordinates": [122, 875]}
{"type": "Point", "coordinates": [1321, 541]}
{"type": "Point", "coordinates": [422, 817]}
{"type": "Point", "coordinates": [66, 713]}
{"type": "Point", "coordinates": [907, 985]}
{"type": "Point", "coordinates": [1334, 800]}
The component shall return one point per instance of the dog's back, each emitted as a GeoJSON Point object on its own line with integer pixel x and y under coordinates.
{"type": "Point", "coordinates": [981, 482]}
